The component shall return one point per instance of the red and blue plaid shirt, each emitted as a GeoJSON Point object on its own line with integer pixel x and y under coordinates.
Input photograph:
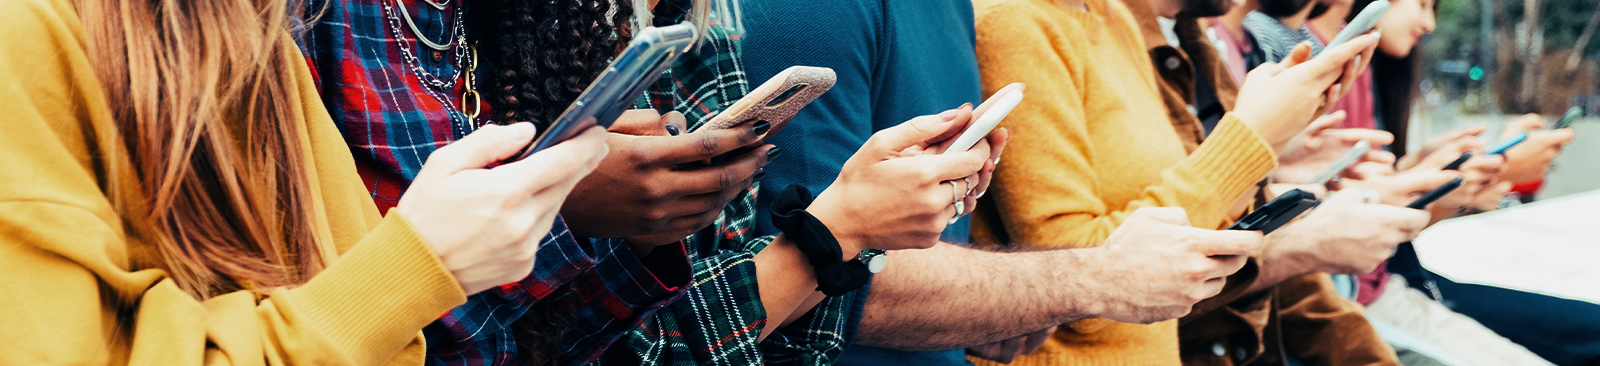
{"type": "Point", "coordinates": [394, 110]}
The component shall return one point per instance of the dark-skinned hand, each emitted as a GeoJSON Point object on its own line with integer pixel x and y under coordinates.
{"type": "Point", "coordinates": [645, 190]}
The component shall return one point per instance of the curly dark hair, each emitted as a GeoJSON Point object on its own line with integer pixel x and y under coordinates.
{"type": "Point", "coordinates": [540, 55]}
{"type": "Point", "coordinates": [543, 53]}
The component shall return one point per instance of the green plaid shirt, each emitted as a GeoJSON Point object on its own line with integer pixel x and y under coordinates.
{"type": "Point", "coordinates": [718, 321]}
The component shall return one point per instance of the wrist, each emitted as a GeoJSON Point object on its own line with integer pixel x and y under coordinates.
{"type": "Point", "coordinates": [1290, 253]}
{"type": "Point", "coordinates": [1087, 296]}
{"type": "Point", "coordinates": [832, 215]}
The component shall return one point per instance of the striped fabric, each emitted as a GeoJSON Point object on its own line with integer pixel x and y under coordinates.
{"type": "Point", "coordinates": [1277, 39]}
{"type": "Point", "coordinates": [393, 118]}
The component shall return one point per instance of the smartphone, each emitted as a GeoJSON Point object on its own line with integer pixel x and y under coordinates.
{"type": "Point", "coordinates": [1507, 144]}
{"type": "Point", "coordinates": [1361, 24]}
{"type": "Point", "coordinates": [1456, 165]}
{"type": "Point", "coordinates": [993, 110]}
{"type": "Point", "coordinates": [1435, 195]}
{"type": "Point", "coordinates": [651, 52]}
{"type": "Point", "coordinates": [1344, 161]}
{"type": "Point", "coordinates": [1567, 119]}
{"type": "Point", "coordinates": [777, 100]}
{"type": "Point", "coordinates": [1278, 212]}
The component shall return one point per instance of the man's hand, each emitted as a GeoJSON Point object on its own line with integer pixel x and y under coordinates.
{"type": "Point", "coordinates": [1155, 266]}
{"type": "Point", "coordinates": [640, 192]}
{"type": "Point", "coordinates": [1007, 350]}
{"type": "Point", "coordinates": [1278, 100]}
{"type": "Point", "coordinates": [1530, 160]}
{"type": "Point", "coordinates": [1316, 148]}
{"type": "Point", "coordinates": [1345, 234]}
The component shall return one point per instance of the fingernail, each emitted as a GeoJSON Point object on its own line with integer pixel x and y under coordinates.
{"type": "Point", "coordinates": [761, 127]}
{"type": "Point", "coordinates": [948, 116]}
{"type": "Point", "coordinates": [969, 104]}
{"type": "Point", "coordinates": [997, 161]}
{"type": "Point", "coordinates": [759, 174]}
{"type": "Point", "coordinates": [773, 154]}
{"type": "Point", "coordinates": [980, 194]}
{"type": "Point", "coordinates": [672, 130]}
{"type": "Point", "coordinates": [1358, 60]}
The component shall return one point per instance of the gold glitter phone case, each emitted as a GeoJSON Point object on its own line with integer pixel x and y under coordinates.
{"type": "Point", "coordinates": [777, 100]}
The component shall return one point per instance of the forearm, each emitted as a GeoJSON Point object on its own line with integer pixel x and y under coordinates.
{"type": "Point", "coordinates": [787, 281]}
{"type": "Point", "coordinates": [952, 297]}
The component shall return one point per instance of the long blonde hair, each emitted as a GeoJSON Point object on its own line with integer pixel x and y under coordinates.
{"type": "Point", "coordinates": [203, 97]}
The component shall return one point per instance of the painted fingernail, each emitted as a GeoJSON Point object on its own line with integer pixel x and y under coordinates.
{"type": "Point", "coordinates": [948, 116]}
{"type": "Point", "coordinates": [673, 130]}
{"type": "Point", "coordinates": [980, 194]}
{"type": "Point", "coordinates": [759, 174]}
{"type": "Point", "coordinates": [761, 127]}
{"type": "Point", "coordinates": [1358, 60]}
{"type": "Point", "coordinates": [773, 154]}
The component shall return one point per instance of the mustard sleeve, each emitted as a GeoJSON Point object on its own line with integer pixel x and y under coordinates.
{"type": "Point", "coordinates": [71, 275]}
{"type": "Point", "coordinates": [1047, 191]}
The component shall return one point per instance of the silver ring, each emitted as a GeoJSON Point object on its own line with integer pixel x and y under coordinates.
{"type": "Point", "coordinates": [967, 180]}
{"type": "Point", "coordinates": [955, 192]}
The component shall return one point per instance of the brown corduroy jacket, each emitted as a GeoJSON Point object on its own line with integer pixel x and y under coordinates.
{"type": "Point", "coordinates": [1303, 316]}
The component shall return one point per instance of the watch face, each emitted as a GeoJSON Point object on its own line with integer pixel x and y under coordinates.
{"type": "Point", "coordinates": [875, 263]}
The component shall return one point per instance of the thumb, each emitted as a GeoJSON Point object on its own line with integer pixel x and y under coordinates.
{"type": "Point", "coordinates": [918, 131]}
{"type": "Point", "coordinates": [1422, 182]}
{"type": "Point", "coordinates": [1351, 136]}
{"type": "Point", "coordinates": [488, 145]}
{"type": "Point", "coordinates": [1324, 123]}
{"type": "Point", "coordinates": [1299, 54]}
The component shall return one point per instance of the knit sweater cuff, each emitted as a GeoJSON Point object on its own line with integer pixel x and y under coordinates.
{"type": "Point", "coordinates": [375, 298]}
{"type": "Point", "coordinates": [1233, 158]}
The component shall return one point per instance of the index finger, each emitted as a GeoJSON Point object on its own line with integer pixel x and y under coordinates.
{"type": "Point", "coordinates": [1227, 242]}
{"type": "Point", "coordinates": [701, 144]}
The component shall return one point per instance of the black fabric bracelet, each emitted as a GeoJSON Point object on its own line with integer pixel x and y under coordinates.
{"type": "Point", "coordinates": [834, 276]}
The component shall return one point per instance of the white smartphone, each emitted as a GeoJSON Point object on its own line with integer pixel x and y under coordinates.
{"type": "Point", "coordinates": [1349, 157]}
{"type": "Point", "coordinates": [995, 109]}
{"type": "Point", "coordinates": [1360, 24]}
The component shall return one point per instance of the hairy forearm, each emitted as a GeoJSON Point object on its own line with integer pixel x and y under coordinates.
{"type": "Point", "coordinates": [952, 297]}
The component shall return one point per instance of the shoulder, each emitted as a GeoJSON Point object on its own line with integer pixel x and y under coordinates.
{"type": "Point", "coordinates": [27, 23]}
{"type": "Point", "coordinates": [1013, 21]}
{"type": "Point", "coordinates": [990, 10]}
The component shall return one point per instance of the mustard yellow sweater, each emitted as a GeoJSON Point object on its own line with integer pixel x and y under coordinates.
{"type": "Point", "coordinates": [77, 281]}
{"type": "Point", "coordinates": [1091, 144]}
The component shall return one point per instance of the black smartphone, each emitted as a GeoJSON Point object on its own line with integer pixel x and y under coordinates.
{"type": "Point", "coordinates": [1278, 212]}
{"type": "Point", "coordinates": [1435, 195]}
{"type": "Point", "coordinates": [1456, 165]}
{"type": "Point", "coordinates": [615, 90]}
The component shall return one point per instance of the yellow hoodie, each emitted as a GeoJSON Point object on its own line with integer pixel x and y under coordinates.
{"type": "Point", "coordinates": [76, 277]}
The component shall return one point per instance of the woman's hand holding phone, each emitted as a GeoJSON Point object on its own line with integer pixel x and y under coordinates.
{"type": "Point", "coordinates": [643, 192]}
{"type": "Point", "coordinates": [1278, 100]}
{"type": "Point", "coordinates": [1320, 145]}
{"type": "Point", "coordinates": [1530, 160]}
{"type": "Point", "coordinates": [898, 191]}
{"type": "Point", "coordinates": [486, 224]}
